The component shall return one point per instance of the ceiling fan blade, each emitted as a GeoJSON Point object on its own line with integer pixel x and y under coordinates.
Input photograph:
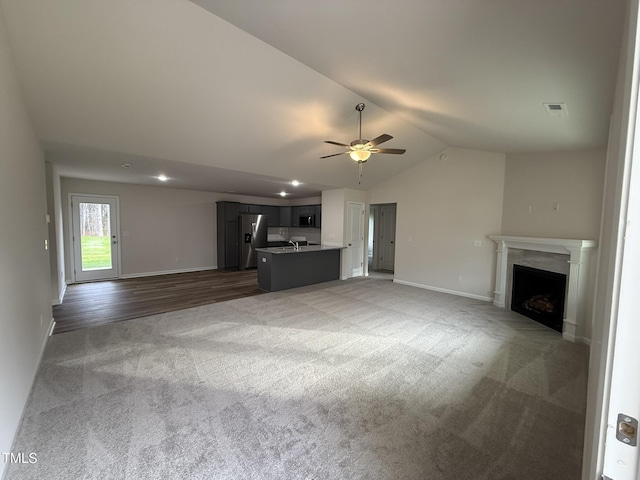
{"type": "Point", "coordinates": [394, 151]}
{"type": "Point", "coordinates": [336, 143]}
{"type": "Point", "coordinates": [334, 155]}
{"type": "Point", "coordinates": [378, 140]}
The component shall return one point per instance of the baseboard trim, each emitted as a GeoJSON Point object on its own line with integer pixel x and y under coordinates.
{"type": "Point", "coordinates": [574, 339]}
{"type": "Point", "coordinates": [167, 272]}
{"type": "Point", "coordinates": [444, 290]}
{"type": "Point", "coordinates": [52, 326]}
{"type": "Point", "coordinates": [58, 301]}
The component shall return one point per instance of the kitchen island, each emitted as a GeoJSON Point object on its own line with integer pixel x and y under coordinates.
{"type": "Point", "coordinates": [280, 268]}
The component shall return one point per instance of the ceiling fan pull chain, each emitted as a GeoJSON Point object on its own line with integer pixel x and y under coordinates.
{"type": "Point", "coordinates": [359, 172]}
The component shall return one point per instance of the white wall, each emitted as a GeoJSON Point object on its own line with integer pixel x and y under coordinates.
{"type": "Point", "coordinates": [574, 180]}
{"type": "Point", "coordinates": [168, 229]}
{"type": "Point", "coordinates": [333, 217]}
{"type": "Point", "coordinates": [56, 239]}
{"type": "Point", "coordinates": [443, 206]}
{"type": "Point", "coordinates": [25, 295]}
{"type": "Point", "coordinates": [56, 211]}
{"type": "Point", "coordinates": [161, 229]}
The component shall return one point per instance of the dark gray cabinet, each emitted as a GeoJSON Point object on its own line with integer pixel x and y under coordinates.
{"type": "Point", "coordinates": [273, 215]}
{"type": "Point", "coordinates": [232, 247]}
{"type": "Point", "coordinates": [306, 210]}
{"type": "Point", "coordinates": [295, 216]}
{"type": "Point", "coordinates": [280, 271]}
{"type": "Point", "coordinates": [285, 216]}
{"type": "Point", "coordinates": [227, 233]}
{"type": "Point", "coordinates": [230, 211]}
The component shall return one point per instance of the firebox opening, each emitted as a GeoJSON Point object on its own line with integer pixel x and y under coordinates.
{"type": "Point", "coordinates": [539, 295]}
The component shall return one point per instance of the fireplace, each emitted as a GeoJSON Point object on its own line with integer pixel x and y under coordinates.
{"type": "Point", "coordinates": [539, 295]}
{"type": "Point", "coordinates": [576, 326]}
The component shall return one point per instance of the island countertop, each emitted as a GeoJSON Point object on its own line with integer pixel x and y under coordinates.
{"type": "Point", "coordinates": [302, 249]}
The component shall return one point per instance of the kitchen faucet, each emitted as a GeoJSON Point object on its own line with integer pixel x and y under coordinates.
{"type": "Point", "coordinates": [295, 245]}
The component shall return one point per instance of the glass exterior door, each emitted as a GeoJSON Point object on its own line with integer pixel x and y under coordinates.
{"type": "Point", "coordinates": [95, 237]}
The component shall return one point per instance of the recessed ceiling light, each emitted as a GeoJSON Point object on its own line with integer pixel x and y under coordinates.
{"type": "Point", "coordinates": [125, 165]}
{"type": "Point", "coordinates": [163, 178]}
{"type": "Point", "coordinates": [295, 183]}
{"type": "Point", "coordinates": [283, 194]}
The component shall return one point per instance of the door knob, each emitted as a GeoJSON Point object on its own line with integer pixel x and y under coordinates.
{"type": "Point", "coordinates": [349, 244]}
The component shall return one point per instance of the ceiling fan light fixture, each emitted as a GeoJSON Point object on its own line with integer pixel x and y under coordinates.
{"type": "Point", "coordinates": [360, 155]}
{"type": "Point", "coordinates": [360, 150]}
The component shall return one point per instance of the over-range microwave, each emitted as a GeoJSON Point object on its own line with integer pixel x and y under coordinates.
{"type": "Point", "coordinates": [307, 221]}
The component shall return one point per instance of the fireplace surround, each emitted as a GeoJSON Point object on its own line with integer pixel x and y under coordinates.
{"type": "Point", "coordinates": [554, 255]}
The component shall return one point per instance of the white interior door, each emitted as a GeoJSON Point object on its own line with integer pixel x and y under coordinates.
{"type": "Point", "coordinates": [355, 239]}
{"type": "Point", "coordinates": [387, 237]}
{"type": "Point", "coordinates": [95, 237]}
{"type": "Point", "coordinates": [620, 443]}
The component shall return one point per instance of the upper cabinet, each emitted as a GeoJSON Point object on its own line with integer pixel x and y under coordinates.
{"type": "Point", "coordinates": [273, 215]}
{"type": "Point", "coordinates": [295, 216]}
{"type": "Point", "coordinates": [288, 216]}
{"type": "Point", "coordinates": [285, 216]}
{"type": "Point", "coordinates": [306, 210]}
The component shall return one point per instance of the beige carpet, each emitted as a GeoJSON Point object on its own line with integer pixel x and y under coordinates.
{"type": "Point", "coordinates": [363, 379]}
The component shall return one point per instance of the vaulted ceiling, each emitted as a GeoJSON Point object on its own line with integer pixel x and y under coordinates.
{"type": "Point", "coordinates": [240, 95]}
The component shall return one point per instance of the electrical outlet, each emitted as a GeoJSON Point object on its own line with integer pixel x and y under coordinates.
{"type": "Point", "coordinates": [459, 278]}
{"type": "Point", "coordinates": [477, 243]}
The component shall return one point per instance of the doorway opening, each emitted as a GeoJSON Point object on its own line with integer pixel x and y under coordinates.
{"type": "Point", "coordinates": [382, 239]}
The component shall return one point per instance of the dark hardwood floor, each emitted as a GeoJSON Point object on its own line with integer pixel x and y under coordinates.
{"type": "Point", "coordinates": [99, 303]}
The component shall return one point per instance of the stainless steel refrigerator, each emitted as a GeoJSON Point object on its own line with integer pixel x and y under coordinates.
{"type": "Point", "coordinates": [253, 234]}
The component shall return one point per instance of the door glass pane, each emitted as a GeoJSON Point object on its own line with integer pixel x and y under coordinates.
{"type": "Point", "coordinates": [95, 232]}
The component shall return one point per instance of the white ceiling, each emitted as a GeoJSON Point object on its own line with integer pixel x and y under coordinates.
{"type": "Point", "coordinates": [206, 89]}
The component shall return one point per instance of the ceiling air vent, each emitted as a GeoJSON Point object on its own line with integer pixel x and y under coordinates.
{"type": "Point", "coordinates": [556, 109]}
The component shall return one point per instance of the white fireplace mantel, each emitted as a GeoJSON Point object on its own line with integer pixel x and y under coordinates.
{"type": "Point", "coordinates": [579, 252]}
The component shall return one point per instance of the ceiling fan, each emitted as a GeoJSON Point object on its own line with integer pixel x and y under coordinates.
{"type": "Point", "coordinates": [361, 149]}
